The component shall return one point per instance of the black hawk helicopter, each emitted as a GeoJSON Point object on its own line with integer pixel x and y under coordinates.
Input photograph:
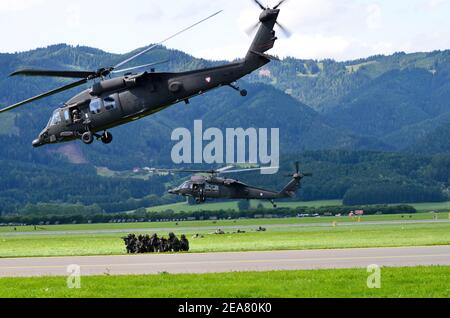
{"type": "Point", "coordinates": [117, 101]}
{"type": "Point", "coordinates": [215, 187]}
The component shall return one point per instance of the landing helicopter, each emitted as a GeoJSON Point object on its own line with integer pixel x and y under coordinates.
{"type": "Point", "coordinates": [215, 187]}
{"type": "Point", "coordinates": [117, 101]}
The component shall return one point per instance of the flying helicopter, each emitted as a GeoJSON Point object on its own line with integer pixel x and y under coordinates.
{"type": "Point", "coordinates": [111, 102]}
{"type": "Point", "coordinates": [213, 186]}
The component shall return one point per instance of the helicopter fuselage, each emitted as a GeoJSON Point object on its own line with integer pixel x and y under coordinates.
{"type": "Point", "coordinates": [220, 188]}
{"type": "Point", "coordinates": [113, 102]}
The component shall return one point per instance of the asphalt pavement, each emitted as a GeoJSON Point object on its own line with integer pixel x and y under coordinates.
{"type": "Point", "coordinates": [227, 262]}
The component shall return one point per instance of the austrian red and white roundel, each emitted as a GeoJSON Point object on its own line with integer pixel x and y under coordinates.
{"type": "Point", "coordinates": [208, 79]}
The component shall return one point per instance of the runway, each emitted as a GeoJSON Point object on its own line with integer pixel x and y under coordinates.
{"type": "Point", "coordinates": [203, 229]}
{"type": "Point", "coordinates": [227, 262]}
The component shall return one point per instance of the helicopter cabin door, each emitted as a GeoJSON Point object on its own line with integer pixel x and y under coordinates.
{"type": "Point", "coordinates": [105, 110]}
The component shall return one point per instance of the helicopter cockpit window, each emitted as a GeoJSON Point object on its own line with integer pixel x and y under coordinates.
{"type": "Point", "coordinates": [56, 119]}
{"type": "Point", "coordinates": [95, 106]}
{"type": "Point", "coordinates": [185, 185]}
{"type": "Point", "coordinates": [66, 115]}
{"type": "Point", "coordinates": [110, 103]}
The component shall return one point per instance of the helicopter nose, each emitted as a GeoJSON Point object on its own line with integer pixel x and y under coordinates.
{"type": "Point", "coordinates": [37, 143]}
{"type": "Point", "coordinates": [172, 191]}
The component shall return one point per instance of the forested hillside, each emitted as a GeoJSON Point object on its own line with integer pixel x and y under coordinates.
{"type": "Point", "coordinates": [358, 177]}
{"type": "Point", "coordinates": [335, 117]}
{"type": "Point", "coordinates": [397, 99]}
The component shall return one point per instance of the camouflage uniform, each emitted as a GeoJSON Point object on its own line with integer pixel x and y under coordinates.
{"type": "Point", "coordinates": [174, 243]}
{"type": "Point", "coordinates": [184, 244]}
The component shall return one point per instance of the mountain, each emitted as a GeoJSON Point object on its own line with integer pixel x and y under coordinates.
{"type": "Point", "coordinates": [383, 103]}
{"type": "Point", "coordinates": [435, 142]}
{"type": "Point", "coordinates": [379, 103]}
{"type": "Point", "coordinates": [148, 140]}
{"type": "Point", "coordinates": [396, 99]}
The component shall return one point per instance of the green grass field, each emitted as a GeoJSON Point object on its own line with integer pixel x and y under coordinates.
{"type": "Point", "coordinates": [219, 223]}
{"type": "Point", "coordinates": [233, 205]}
{"type": "Point", "coordinates": [416, 282]}
{"type": "Point", "coordinates": [276, 238]}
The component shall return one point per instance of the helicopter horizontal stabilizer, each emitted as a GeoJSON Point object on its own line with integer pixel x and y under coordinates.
{"type": "Point", "coordinates": [267, 56]}
{"type": "Point", "coordinates": [265, 37]}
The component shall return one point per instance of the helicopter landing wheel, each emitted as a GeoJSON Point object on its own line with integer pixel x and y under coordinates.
{"type": "Point", "coordinates": [87, 138]}
{"type": "Point", "coordinates": [107, 138]}
{"type": "Point", "coordinates": [200, 200]}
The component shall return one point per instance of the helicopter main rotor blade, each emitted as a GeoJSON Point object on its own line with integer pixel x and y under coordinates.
{"type": "Point", "coordinates": [252, 29]}
{"type": "Point", "coordinates": [51, 73]}
{"type": "Point", "coordinates": [186, 171]}
{"type": "Point", "coordinates": [279, 4]}
{"type": "Point", "coordinates": [162, 42]}
{"type": "Point", "coordinates": [140, 66]}
{"type": "Point", "coordinates": [222, 170]}
{"type": "Point", "coordinates": [285, 31]}
{"type": "Point", "coordinates": [52, 92]}
{"type": "Point", "coordinates": [249, 170]}
{"type": "Point", "coordinates": [259, 4]}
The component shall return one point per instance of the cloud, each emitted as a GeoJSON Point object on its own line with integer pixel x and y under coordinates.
{"type": "Point", "coordinates": [73, 17]}
{"type": "Point", "coordinates": [8, 6]}
{"type": "Point", "coordinates": [313, 46]}
{"type": "Point", "coordinates": [342, 30]}
{"type": "Point", "coordinates": [374, 18]}
{"type": "Point", "coordinates": [434, 4]}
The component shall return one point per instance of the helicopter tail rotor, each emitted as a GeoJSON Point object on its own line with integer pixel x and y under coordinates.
{"type": "Point", "coordinates": [266, 13]}
{"type": "Point", "coordinates": [298, 174]}
{"type": "Point", "coordinates": [294, 185]}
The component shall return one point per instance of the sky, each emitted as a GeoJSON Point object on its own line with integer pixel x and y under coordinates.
{"type": "Point", "coordinates": [337, 29]}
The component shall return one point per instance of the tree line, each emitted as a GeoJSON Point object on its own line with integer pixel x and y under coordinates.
{"type": "Point", "coordinates": [170, 216]}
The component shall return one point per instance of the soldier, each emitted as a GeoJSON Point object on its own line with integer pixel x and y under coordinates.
{"type": "Point", "coordinates": [146, 244]}
{"type": "Point", "coordinates": [154, 243]}
{"type": "Point", "coordinates": [184, 244]}
{"type": "Point", "coordinates": [76, 116]}
{"type": "Point", "coordinates": [174, 243]}
{"type": "Point", "coordinates": [164, 245]}
{"type": "Point", "coordinates": [127, 244]}
{"type": "Point", "coordinates": [133, 243]}
{"type": "Point", "coordinates": [130, 242]}
{"type": "Point", "coordinates": [139, 245]}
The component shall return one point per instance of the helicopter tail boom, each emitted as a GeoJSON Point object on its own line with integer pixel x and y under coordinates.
{"type": "Point", "coordinates": [264, 40]}
{"type": "Point", "coordinates": [291, 188]}
{"type": "Point", "coordinates": [294, 185]}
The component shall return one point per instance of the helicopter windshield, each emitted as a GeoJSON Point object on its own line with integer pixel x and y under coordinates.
{"type": "Point", "coordinates": [185, 185]}
{"type": "Point", "coordinates": [55, 120]}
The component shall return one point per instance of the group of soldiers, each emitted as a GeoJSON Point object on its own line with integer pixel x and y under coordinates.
{"type": "Point", "coordinates": [153, 244]}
